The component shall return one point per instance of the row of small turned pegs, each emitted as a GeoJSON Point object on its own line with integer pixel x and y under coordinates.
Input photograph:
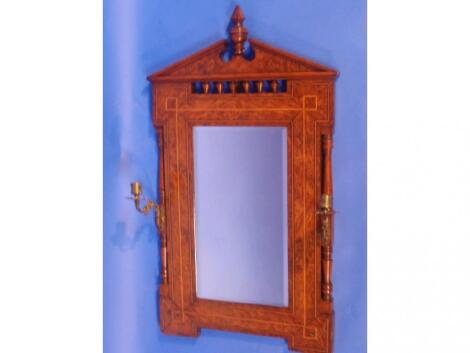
{"type": "Point", "coordinates": [271, 86]}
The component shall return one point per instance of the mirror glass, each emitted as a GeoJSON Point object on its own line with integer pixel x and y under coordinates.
{"type": "Point", "coordinates": [240, 176]}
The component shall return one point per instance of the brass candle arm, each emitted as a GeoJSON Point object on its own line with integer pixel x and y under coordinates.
{"type": "Point", "coordinates": [136, 192]}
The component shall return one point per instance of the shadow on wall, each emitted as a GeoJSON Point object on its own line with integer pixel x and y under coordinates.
{"type": "Point", "coordinates": [126, 240]}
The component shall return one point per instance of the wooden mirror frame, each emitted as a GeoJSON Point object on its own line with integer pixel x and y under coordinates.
{"type": "Point", "coordinates": [232, 84]}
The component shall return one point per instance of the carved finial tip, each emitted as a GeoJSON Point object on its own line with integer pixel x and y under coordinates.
{"type": "Point", "coordinates": [238, 33]}
{"type": "Point", "coordinates": [237, 15]}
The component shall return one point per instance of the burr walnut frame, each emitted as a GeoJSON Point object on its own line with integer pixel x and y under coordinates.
{"type": "Point", "coordinates": [227, 84]}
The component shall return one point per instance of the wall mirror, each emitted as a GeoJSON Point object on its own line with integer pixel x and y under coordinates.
{"type": "Point", "coordinates": [245, 213]}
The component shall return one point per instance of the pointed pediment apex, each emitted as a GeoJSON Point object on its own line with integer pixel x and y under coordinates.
{"type": "Point", "coordinates": [237, 15]}
{"type": "Point", "coordinates": [272, 62]}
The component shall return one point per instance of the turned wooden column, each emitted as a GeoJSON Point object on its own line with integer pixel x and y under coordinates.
{"type": "Point", "coordinates": [160, 210]}
{"type": "Point", "coordinates": [326, 214]}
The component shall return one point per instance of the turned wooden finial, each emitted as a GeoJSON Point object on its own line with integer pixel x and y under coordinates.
{"type": "Point", "coordinates": [238, 33]}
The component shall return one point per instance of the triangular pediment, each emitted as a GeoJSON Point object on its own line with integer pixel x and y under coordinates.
{"type": "Point", "coordinates": [209, 63]}
{"type": "Point", "coordinates": [234, 59]}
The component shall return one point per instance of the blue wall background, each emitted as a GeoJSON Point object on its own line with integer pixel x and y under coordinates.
{"type": "Point", "coordinates": [142, 36]}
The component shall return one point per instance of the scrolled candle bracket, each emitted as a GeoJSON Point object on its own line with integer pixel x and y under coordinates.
{"type": "Point", "coordinates": [136, 192]}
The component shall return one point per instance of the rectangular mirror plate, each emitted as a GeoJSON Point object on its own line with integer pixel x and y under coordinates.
{"type": "Point", "coordinates": [241, 226]}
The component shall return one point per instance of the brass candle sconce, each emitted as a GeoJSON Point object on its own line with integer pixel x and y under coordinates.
{"type": "Point", "coordinates": [136, 192]}
{"type": "Point", "coordinates": [326, 211]}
